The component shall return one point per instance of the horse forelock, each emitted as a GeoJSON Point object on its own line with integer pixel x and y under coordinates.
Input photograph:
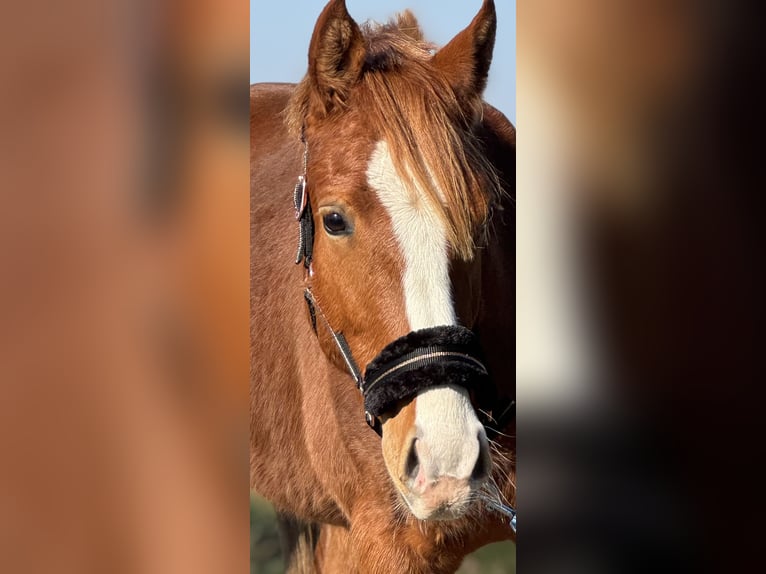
{"type": "Point", "coordinates": [433, 135]}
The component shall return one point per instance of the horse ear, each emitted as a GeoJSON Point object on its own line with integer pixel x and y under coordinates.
{"type": "Point", "coordinates": [466, 58]}
{"type": "Point", "coordinates": [336, 54]}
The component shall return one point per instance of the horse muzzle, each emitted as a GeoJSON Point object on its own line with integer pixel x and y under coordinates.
{"type": "Point", "coordinates": [435, 356]}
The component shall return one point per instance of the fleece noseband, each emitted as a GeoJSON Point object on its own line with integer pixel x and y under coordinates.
{"type": "Point", "coordinates": [447, 355]}
{"type": "Point", "coordinates": [436, 356]}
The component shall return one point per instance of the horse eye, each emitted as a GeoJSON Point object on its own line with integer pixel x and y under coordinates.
{"type": "Point", "coordinates": [334, 224]}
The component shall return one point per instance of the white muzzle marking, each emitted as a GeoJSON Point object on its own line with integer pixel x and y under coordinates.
{"type": "Point", "coordinates": [447, 427]}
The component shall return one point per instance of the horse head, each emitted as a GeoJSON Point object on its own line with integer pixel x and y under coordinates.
{"type": "Point", "coordinates": [398, 195]}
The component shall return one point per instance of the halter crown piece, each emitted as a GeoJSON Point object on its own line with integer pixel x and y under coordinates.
{"type": "Point", "coordinates": [435, 356]}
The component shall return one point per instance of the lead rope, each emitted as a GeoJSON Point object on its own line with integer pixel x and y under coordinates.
{"type": "Point", "coordinates": [509, 511]}
{"type": "Point", "coordinates": [503, 509]}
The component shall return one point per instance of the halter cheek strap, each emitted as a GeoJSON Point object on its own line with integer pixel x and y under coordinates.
{"type": "Point", "coordinates": [303, 214]}
{"type": "Point", "coordinates": [345, 351]}
{"type": "Point", "coordinates": [305, 218]}
{"type": "Point", "coordinates": [337, 336]}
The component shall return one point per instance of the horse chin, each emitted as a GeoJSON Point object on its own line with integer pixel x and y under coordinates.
{"type": "Point", "coordinates": [437, 510]}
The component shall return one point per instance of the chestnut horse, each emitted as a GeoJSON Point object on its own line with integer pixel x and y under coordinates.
{"type": "Point", "coordinates": [405, 235]}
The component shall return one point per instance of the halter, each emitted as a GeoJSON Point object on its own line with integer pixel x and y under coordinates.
{"type": "Point", "coordinates": [405, 367]}
{"type": "Point", "coordinates": [435, 356]}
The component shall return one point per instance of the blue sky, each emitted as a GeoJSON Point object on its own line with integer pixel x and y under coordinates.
{"type": "Point", "coordinates": [280, 31]}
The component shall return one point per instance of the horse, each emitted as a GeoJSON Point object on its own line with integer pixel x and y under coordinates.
{"type": "Point", "coordinates": [395, 181]}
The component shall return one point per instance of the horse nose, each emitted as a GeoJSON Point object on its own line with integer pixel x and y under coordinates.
{"type": "Point", "coordinates": [413, 463]}
{"type": "Point", "coordinates": [447, 460]}
{"type": "Point", "coordinates": [480, 472]}
{"type": "Point", "coordinates": [426, 464]}
{"type": "Point", "coordinates": [441, 488]}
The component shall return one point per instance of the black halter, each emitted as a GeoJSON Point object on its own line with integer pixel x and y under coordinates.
{"type": "Point", "coordinates": [436, 356]}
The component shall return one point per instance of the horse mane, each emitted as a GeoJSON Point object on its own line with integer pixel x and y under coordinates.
{"type": "Point", "coordinates": [432, 134]}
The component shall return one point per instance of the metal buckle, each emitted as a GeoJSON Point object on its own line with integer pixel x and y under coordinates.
{"type": "Point", "coordinates": [373, 422]}
{"type": "Point", "coordinates": [300, 198]}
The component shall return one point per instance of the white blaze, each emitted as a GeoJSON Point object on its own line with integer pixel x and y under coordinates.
{"type": "Point", "coordinates": [444, 415]}
{"type": "Point", "coordinates": [423, 241]}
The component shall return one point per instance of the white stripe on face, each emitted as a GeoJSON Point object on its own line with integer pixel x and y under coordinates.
{"type": "Point", "coordinates": [423, 240]}
{"type": "Point", "coordinates": [446, 422]}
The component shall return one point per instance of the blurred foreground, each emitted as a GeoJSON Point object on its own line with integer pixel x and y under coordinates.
{"type": "Point", "coordinates": [266, 558]}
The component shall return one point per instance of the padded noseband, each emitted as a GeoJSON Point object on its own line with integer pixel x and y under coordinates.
{"type": "Point", "coordinates": [436, 356]}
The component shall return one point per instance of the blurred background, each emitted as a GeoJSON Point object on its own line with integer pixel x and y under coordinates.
{"type": "Point", "coordinates": [637, 300]}
{"type": "Point", "coordinates": [123, 275]}
{"type": "Point", "coordinates": [280, 24]}
{"type": "Point", "coordinates": [124, 256]}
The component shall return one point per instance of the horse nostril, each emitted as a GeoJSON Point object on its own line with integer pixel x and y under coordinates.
{"type": "Point", "coordinates": [481, 470]}
{"type": "Point", "coordinates": [412, 465]}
